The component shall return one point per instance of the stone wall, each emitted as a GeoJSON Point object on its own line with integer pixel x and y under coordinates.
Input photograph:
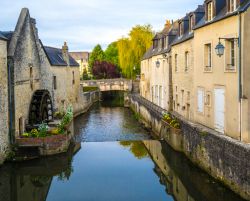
{"type": "Point", "coordinates": [4, 137]}
{"type": "Point", "coordinates": [220, 156]}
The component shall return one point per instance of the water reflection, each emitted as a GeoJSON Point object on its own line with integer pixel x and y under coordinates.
{"type": "Point", "coordinates": [108, 124]}
{"type": "Point", "coordinates": [31, 180]}
{"type": "Point", "coordinates": [182, 179]}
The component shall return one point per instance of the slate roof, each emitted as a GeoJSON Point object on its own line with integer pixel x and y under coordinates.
{"type": "Point", "coordinates": [55, 57]}
{"type": "Point", "coordinates": [223, 14]}
{"type": "Point", "coordinates": [80, 55]}
{"type": "Point", "coordinates": [2, 37]}
{"type": "Point", "coordinates": [6, 35]}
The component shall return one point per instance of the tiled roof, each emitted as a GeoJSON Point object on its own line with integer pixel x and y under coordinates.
{"type": "Point", "coordinates": [56, 58]}
{"type": "Point", "coordinates": [80, 55]}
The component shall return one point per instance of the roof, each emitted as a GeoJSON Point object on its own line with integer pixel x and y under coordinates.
{"type": "Point", "coordinates": [80, 55]}
{"type": "Point", "coordinates": [6, 35]}
{"type": "Point", "coordinates": [2, 37]}
{"type": "Point", "coordinates": [55, 57]}
{"type": "Point", "coordinates": [223, 14]}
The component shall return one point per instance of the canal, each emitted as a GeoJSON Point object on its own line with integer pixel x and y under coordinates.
{"type": "Point", "coordinates": [114, 159]}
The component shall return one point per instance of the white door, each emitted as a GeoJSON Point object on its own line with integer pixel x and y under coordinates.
{"type": "Point", "coordinates": [219, 110]}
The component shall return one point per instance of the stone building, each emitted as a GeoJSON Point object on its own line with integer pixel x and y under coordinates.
{"type": "Point", "coordinates": [82, 59]}
{"type": "Point", "coordinates": [4, 138]}
{"type": "Point", "coordinates": [41, 80]}
{"type": "Point", "coordinates": [182, 51]}
{"type": "Point", "coordinates": [221, 92]}
{"type": "Point", "coordinates": [202, 86]}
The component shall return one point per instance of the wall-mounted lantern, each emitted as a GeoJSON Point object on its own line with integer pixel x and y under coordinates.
{"type": "Point", "coordinates": [157, 63]}
{"type": "Point", "coordinates": [219, 49]}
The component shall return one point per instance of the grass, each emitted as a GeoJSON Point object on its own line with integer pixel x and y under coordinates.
{"type": "Point", "coordinates": [89, 89]}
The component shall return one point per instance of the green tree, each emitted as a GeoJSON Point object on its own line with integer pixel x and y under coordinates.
{"type": "Point", "coordinates": [96, 55]}
{"type": "Point", "coordinates": [111, 54]}
{"type": "Point", "coordinates": [131, 49]}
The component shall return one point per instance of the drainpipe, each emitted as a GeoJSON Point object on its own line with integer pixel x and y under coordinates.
{"type": "Point", "coordinates": [240, 76]}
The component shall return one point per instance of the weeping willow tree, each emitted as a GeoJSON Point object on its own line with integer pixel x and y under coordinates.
{"type": "Point", "coordinates": [132, 49]}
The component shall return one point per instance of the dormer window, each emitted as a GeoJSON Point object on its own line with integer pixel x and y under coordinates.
{"type": "Point", "coordinates": [191, 23]}
{"type": "Point", "coordinates": [181, 29]}
{"type": "Point", "coordinates": [210, 11]}
{"type": "Point", "coordinates": [231, 5]}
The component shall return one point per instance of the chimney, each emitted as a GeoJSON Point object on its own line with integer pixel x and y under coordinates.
{"type": "Point", "coordinates": [65, 53]}
{"type": "Point", "coordinates": [168, 24]}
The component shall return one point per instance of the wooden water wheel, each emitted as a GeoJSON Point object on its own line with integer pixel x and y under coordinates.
{"type": "Point", "coordinates": [41, 108]}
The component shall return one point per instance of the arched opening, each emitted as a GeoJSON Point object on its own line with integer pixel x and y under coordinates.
{"type": "Point", "coordinates": [41, 108]}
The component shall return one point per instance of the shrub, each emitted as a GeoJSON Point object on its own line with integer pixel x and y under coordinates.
{"type": "Point", "coordinates": [66, 120]}
{"type": "Point", "coordinates": [34, 133]}
{"type": "Point", "coordinates": [43, 130]}
{"type": "Point", "coordinates": [26, 135]}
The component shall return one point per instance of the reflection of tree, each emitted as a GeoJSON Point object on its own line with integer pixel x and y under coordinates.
{"type": "Point", "coordinates": [136, 147]}
{"type": "Point", "coordinates": [40, 181]}
{"type": "Point", "coordinates": [65, 175]}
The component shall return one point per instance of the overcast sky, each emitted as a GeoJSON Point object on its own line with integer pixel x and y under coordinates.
{"type": "Point", "coordinates": [84, 23]}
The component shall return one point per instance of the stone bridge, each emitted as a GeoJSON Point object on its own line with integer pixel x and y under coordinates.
{"type": "Point", "coordinates": [109, 84]}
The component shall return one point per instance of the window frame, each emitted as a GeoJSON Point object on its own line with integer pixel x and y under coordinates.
{"type": "Point", "coordinates": [210, 11]}
{"type": "Point", "coordinates": [208, 57]}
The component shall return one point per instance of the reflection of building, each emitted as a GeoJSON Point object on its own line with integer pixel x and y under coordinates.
{"type": "Point", "coordinates": [182, 180]}
{"type": "Point", "coordinates": [200, 84]}
{"type": "Point", "coordinates": [31, 180]}
{"type": "Point", "coordinates": [82, 59]}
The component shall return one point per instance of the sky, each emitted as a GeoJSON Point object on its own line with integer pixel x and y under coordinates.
{"type": "Point", "coordinates": [85, 23]}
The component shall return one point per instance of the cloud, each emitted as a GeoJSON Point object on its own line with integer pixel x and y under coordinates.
{"type": "Point", "coordinates": [85, 23]}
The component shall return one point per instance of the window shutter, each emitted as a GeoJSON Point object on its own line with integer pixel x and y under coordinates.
{"type": "Point", "coordinates": [206, 14]}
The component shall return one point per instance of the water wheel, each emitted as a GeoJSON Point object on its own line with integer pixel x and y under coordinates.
{"type": "Point", "coordinates": [41, 108]}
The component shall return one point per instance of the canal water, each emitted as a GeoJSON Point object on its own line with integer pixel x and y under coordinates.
{"type": "Point", "coordinates": [114, 159]}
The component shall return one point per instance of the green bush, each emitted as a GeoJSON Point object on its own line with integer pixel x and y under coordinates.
{"type": "Point", "coordinates": [43, 130]}
{"type": "Point", "coordinates": [66, 120]}
{"type": "Point", "coordinates": [34, 133]}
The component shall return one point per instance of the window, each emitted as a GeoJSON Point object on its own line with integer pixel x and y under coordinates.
{"type": "Point", "coordinates": [230, 55]}
{"type": "Point", "coordinates": [54, 82]}
{"type": "Point", "coordinates": [31, 78]}
{"type": "Point", "coordinates": [191, 23]}
{"type": "Point", "coordinates": [181, 29]}
{"type": "Point", "coordinates": [231, 5]}
{"type": "Point", "coordinates": [200, 100]}
{"type": "Point", "coordinates": [73, 77]}
{"type": "Point", "coordinates": [176, 62]}
{"type": "Point", "coordinates": [209, 11]}
{"type": "Point", "coordinates": [186, 61]}
{"type": "Point", "coordinates": [208, 57]}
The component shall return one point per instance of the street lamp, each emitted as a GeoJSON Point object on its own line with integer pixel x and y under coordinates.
{"type": "Point", "coordinates": [157, 63]}
{"type": "Point", "coordinates": [219, 49]}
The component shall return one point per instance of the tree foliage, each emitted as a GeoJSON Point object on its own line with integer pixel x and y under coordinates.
{"type": "Point", "coordinates": [105, 70]}
{"type": "Point", "coordinates": [111, 54]}
{"type": "Point", "coordinates": [131, 49]}
{"type": "Point", "coordinates": [96, 55]}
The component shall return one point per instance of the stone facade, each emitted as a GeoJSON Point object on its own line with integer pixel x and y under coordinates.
{"type": "Point", "coordinates": [4, 137]}
{"type": "Point", "coordinates": [197, 83]}
{"type": "Point", "coordinates": [82, 59]}
{"type": "Point", "coordinates": [223, 158]}
{"type": "Point", "coordinates": [33, 69]}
